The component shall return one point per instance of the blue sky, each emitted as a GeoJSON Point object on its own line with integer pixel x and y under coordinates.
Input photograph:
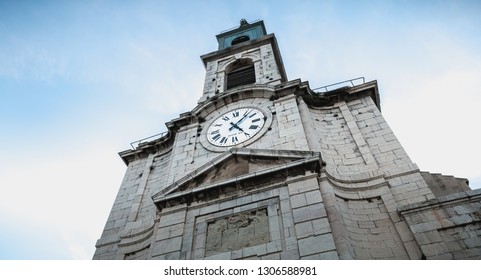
{"type": "Point", "coordinates": [80, 80]}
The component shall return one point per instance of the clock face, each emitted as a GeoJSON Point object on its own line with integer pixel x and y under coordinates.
{"type": "Point", "coordinates": [235, 127]}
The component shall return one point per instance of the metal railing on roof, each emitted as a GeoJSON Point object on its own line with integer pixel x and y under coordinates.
{"type": "Point", "coordinates": [233, 28]}
{"type": "Point", "coordinates": [138, 142]}
{"type": "Point", "coordinates": [351, 82]}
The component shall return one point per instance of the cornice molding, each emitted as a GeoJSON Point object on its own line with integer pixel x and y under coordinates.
{"type": "Point", "coordinates": [294, 87]}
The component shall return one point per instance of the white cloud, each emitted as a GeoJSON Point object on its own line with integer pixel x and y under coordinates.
{"type": "Point", "coordinates": [434, 111]}
{"type": "Point", "coordinates": [22, 60]}
{"type": "Point", "coordinates": [76, 248]}
{"type": "Point", "coordinates": [66, 193]}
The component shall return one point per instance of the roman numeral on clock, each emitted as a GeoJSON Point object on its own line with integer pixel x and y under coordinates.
{"type": "Point", "coordinates": [217, 136]}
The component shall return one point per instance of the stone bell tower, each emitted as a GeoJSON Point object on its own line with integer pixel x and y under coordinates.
{"type": "Point", "coordinates": [246, 55]}
{"type": "Point", "coordinates": [267, 168]}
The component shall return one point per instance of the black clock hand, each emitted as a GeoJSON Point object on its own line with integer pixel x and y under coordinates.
{"type": "Point", "coordinates": [244, 117]}
{"type": "Point", "coordinates": [242, 131]}
{"type": "Point", "coordinates": [236, 125]}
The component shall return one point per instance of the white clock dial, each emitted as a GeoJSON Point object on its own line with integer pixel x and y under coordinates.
{"type": "Point", "coordinates": [235, 127]}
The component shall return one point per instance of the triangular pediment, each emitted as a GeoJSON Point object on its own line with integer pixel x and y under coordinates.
{"type": "Point", "coordinates": [238, 168]}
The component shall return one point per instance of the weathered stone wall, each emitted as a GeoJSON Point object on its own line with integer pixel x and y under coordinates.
{"type": "Point", "coordinates": [290, 131]}
{"type": "Point", "coordinates": [368, 177]}
{"type": "Point", "coordinates": [237, 231]}
{"type": "Point", "coordinates": [370, 230]}
{"type": "Point", "coordinates": [121, 211]}
{"type": "Point", "coordinates": [354, 138]}
{"type": "Point", "coordinates": [448, 227]}
{"type": "Point", "coordinates": [265, 65]}
{"type": "Point", "coordinates": [276, 222]}
{"type": "Point", "coordinates": [312, 229]}
{"type": "Point", "coordinates": [442, 185]}
{"type": "Point", "coordinates": [336, 141]}
{"type": "Point", "coordinates": [132, 216]}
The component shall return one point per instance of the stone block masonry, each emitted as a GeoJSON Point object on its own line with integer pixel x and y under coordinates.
{"type": "Point", "coordinates": [448, 227]}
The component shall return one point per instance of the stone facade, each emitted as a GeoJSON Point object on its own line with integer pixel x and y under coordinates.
{"type": "Point", "coordinates": [448, 227]}
{"type": "Point", "coordinates": [326, 178]}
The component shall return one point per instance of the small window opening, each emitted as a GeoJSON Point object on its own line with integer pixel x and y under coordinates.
{"type": "Point", "coordinates": [240, 39]}
{"type": "Point", "coordinates": [243, 73]}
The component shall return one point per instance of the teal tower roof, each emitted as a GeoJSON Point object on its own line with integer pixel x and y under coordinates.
{"type": "Point", "coordinates": [245, 32]}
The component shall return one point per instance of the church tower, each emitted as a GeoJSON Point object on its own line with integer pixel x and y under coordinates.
{"type": "Point", "coordinates": [267, 168]}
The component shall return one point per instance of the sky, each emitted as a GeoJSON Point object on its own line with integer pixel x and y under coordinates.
{"type": "Point", "coordinates": [81, 80]}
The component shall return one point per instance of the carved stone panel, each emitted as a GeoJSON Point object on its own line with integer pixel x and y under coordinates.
{"type": "Point", "coordinates": [237, 231]}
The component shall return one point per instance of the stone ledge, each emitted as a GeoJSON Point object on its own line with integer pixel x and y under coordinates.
{"type": "Point", "coordinates": [329, 98]}
{"type": "Point", "coordinates": [441, 201]}
{"type": "Point", "coordinates": [104, 241]}
{"type": "Point", "coordinates": [137, 236]}
{"type": "Point", "coordinates": [306, 161]}
{"type": "Point", "coordinates": [285, 154]}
